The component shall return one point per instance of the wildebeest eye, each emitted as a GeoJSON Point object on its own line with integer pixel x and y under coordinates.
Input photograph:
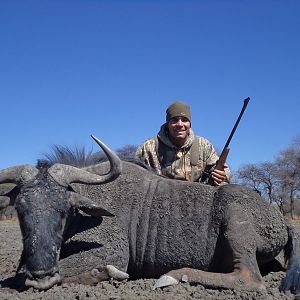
{"type": "Point", "coordinates": [60, 225]}
{"type": "Point", "coordinates": [25, 237]}
{"type": "Point", "coordinates": [21, 207]}
{"type": "Point", "coordinates": [70, 189]}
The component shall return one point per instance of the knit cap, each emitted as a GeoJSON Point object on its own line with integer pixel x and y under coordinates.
{"type": "Point", "coordinates": [178, 109]}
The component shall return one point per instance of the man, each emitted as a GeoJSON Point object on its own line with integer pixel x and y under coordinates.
{"type": "Point", "coordinates": [178, 153]}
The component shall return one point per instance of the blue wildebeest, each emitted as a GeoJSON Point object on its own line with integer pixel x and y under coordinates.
{"type": "Point", "coordinates": [79, 226]}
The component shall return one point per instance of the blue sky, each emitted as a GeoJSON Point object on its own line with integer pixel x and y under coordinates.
{"type": "Point", "coordinates": [69, 69]}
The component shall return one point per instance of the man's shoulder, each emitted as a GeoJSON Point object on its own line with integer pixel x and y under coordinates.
{"type": "Point", "coordinates": [202, 140]}
{"type": "Point", "coordinates": [150, 143]}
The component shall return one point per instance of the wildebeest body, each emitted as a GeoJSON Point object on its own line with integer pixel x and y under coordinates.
{"type": "Point", "coordinates": [146, 225]}
{"type": "Point", "coordinates": [162, 224]}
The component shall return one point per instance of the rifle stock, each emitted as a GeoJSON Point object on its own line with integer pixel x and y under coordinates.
{"type": "Point", "coordinates": [220, 163]}
{"type": "Point", "coordinates": [222, 159]}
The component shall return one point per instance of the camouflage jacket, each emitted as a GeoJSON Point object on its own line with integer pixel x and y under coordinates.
{"type": "Point", "coordinates": [166, 159]}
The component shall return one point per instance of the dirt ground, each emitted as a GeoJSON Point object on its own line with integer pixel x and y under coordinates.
{"type": "Point", "coordinates": [11, 287]}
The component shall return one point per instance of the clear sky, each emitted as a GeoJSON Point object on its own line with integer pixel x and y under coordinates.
{"type": "Point", "coordinates": [71, 68]}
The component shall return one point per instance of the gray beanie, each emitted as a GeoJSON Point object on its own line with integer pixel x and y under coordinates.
{"type": "Point", "coordinates": [178, 109]}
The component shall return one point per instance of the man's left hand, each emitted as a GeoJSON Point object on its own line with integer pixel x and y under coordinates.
{"type": "Point", "coordinates": [219, 176]}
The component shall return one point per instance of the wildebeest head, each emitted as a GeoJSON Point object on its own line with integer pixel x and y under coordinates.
{"type": "Point", "coordinates": [43, 204]}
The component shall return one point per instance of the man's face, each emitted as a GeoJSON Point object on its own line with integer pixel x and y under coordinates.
{"type": "Point", "coordinates": [179, 129]}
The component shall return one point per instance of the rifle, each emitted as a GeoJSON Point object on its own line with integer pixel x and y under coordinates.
{"type": "Point", "coordinates": [222, 159]}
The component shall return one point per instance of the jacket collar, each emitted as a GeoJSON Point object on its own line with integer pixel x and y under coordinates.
{"type": "Point", "coordinates": [163, 136]}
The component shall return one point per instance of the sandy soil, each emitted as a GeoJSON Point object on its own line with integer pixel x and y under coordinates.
{"type": "Point", "coordinates": [11, 286]}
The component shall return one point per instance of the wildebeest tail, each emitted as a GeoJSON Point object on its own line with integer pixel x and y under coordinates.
{"type": "Point", "coordinates": [291, 281]}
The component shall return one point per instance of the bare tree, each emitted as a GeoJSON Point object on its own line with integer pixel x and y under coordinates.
{"type": "Point", "coordinates": [267, 177]}
{"type": "Point", "coordinates": [278, 182]}
{"type": "Point", "coordinates": [288, 162]}
{"type": "Point", "coordinates": [127, 152]}
{"type": "Point", "coordinates": [296, 142]}
{"type": "Point", "coordinates": [263, 178]}
{"type": "Point", "coordinates": [248, 175]}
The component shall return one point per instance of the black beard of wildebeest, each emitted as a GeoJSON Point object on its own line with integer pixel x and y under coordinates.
{"type": "Point", "coordinates": [42, 224]}
{"type": "Point", "coordinates": [44, 229]}
{"type": "Point", "coordinates": [133, 221]}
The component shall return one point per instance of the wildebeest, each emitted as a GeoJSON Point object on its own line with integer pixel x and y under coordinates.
{"type": "Point", "coordinates": [80, 226]}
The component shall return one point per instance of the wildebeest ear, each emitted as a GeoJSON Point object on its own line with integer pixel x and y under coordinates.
{"type": "Point", "coordinates": [8, 193]}
{"type": "Point", "coordinates": [6, 188]}
{"type": "Point", "coordinates": [87, 205]}
{"type": "Point", "coordinates": [4, 201]}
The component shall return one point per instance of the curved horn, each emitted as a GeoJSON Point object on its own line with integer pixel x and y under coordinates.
{"type": "Point", "coordinates": [65, 175]}
{"type": "Point", "coordinates": [18, 174]}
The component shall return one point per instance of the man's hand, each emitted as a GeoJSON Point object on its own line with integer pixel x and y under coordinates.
{"type": "Point", "coordinates": [219, 176]}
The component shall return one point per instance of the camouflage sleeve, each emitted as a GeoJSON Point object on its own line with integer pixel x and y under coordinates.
{"type": "Point", "coordinates": [147, 154]}
{"type": "Point", "coordinates": [210, 156]}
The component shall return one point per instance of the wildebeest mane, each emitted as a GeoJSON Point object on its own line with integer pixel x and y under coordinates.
{"type": "Point", "coordinates": [80, 157]}
{"type": "Point", "coordinates": [76, 157]}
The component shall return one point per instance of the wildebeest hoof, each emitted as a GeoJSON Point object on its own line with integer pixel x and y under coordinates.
{"type": "Point", "coordinates": [95, 272]}
{"type": "Point", "coordinates": [165, 280]}
{"type": "Point", "coordinates": [297, 296]}
{"type": "Point", "coordinates": [184, 278]}
{"type": "Point", "coordinates": [44, 283]}
{"type": "Point", "coordinates": [114, 273]}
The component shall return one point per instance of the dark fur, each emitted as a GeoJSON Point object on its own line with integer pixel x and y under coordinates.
{"type": "Point", "coordinates": [292, 278]}
{"type": "Point", "coordinates": [159, 225]}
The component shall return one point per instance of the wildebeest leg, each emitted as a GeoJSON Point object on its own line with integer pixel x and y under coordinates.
{"type": "Point", "coordinates": [94, 276]}
{"type": "Point", "coordinates": [242, 238]}
{"type": "Point", "coordinates": [104, 258]}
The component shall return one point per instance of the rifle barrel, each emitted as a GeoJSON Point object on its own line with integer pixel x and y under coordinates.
{"type": "Point", "coordinates": [246, 101]}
